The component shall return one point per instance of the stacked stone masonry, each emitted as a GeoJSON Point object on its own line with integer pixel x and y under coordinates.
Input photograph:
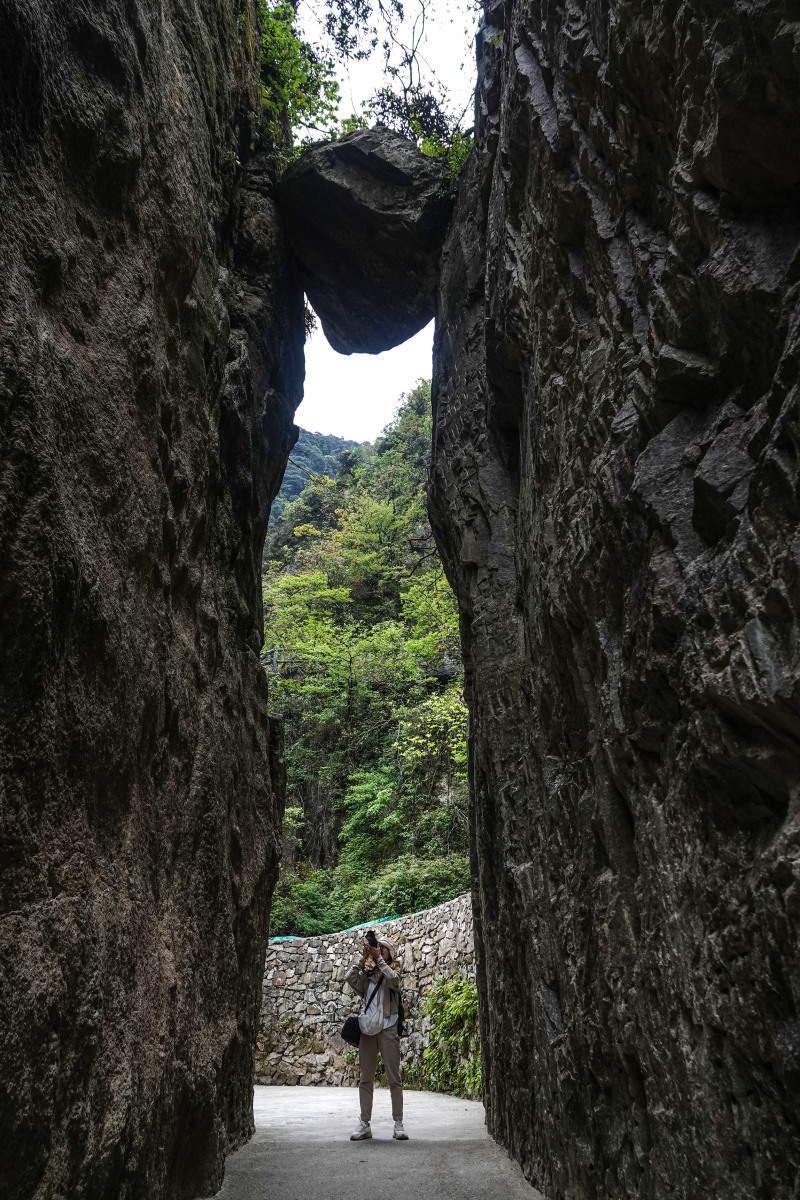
{"type": "Point", "coordinates": [305, 998]}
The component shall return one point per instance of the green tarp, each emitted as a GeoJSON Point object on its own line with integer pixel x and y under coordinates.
{"type": "Point", "coordinates": [362, 925]}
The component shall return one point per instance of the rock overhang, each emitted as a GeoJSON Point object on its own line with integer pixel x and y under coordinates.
{"type": "Point", "coordinates": [367, 216]}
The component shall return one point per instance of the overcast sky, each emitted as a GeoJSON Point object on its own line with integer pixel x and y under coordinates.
{"type": "Point", "coordinates": [355, 395]}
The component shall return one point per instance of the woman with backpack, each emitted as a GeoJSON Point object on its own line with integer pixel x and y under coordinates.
{"type": "Point", "coordinates": [380, 987]}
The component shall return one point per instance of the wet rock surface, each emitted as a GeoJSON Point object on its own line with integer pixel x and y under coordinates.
{"type": "Point", "coordinates": [367, 216]}
{"type": "Point", "coordinates": [615, 491]}
{"type": "Point", "coordinates": [150, 363]}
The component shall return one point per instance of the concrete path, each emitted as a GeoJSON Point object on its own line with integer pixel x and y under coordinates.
{"type": "Point", "coordinates": [301, 1151]}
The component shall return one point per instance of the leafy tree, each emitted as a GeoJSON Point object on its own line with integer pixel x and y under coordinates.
{"type": "Point", "coordinates": [299, 85]}
{"type": "Point", "coordinates": [361, 642]}
{"type": "Point", "coordinates": [310, 901]}
{"type": "Point", "coordinates": [301, 91]}
{"type": "Point", "coordinates": [314, 454]}
{"type": "Point", "coordinates": [288, 531]}
{"type": "Point", "coordinates": [410, 100]}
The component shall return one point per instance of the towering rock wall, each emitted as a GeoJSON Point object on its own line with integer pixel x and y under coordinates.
{"type": "Point", "coordinates": [615, 490]}
{"type": "Point", "coordinates": [150, 363]}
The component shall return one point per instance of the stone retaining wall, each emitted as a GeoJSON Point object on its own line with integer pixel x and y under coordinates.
{"type": "Point", "coordinates": [305, 999]}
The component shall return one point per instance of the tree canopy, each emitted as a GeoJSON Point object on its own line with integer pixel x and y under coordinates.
{"type": "Point", "coordinates": [301, 94]}
{"type": "Point", "coordinates": [361, 645]}
{"type": "Point", "coordinates": [314, 454]}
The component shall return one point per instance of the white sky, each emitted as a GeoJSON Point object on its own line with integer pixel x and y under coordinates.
{"type": "Point", "coordinates": [356, 395]}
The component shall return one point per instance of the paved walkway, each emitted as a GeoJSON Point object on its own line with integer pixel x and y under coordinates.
{"type": "Point", "coordinates": [301, 1151]}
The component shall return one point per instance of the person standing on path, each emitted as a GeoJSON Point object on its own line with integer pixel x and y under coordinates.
{"type": "Point", "coordinates": [380, 988]}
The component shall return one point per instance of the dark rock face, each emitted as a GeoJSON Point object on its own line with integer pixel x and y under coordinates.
{"type": "Point", "coordinates": [367, 216]}
{"type": "Point", "coordinates": [150, 363]}
{"type": "Point", "coordinates": [615, 489]}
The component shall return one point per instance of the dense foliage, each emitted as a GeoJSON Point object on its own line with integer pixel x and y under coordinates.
{"type": "Point", "coordinates": [300, 90]}
{"type": "Point", "coordinates": [299, 85]}
{"type": "Point", "coordinates": [451, 1061]}
{"type": "Point", "coordinates": [361, 642]}
{"type": "Point", "coordinates": [314, 454]}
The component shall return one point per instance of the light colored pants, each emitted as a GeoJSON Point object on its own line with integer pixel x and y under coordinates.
{"type": "Point", "coordinates": [388, 1043]}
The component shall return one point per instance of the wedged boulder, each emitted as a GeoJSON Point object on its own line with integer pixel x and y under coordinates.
{"type": "Point", "coordinates": [366, 217]}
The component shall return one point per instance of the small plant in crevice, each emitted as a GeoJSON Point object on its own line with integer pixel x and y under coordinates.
{"type": "Point", "coordinates": [310, 322]}
{"type": "Point", "coordinates": [422, 117]}
{"type": "Point", "coordinates": [455, 148]}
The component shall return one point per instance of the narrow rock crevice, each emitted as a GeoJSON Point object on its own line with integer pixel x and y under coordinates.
{"type": "Point", "coordinates": [614, 492]}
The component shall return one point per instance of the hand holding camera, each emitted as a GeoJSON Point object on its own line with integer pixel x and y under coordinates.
{"type": "Point", "coordinates": [370, 947]}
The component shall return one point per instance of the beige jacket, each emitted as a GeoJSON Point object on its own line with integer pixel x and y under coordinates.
{"type": "Point", "coordinates": [359, 978]}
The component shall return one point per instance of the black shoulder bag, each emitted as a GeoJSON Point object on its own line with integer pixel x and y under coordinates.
{"type": "Point", "coordinates": [351, 1030]}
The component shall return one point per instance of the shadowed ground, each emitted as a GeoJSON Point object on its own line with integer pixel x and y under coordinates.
{"type": "Point", "coordinates": [301, 1151]}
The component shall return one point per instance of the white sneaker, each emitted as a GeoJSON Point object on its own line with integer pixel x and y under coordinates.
{"type": "Point", "coordinates": [399, 1132]}
{"type": "Point", "coordinates": [361, 1132]}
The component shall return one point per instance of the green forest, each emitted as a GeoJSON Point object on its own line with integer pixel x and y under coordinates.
{"type": "Point", "coordinates": [362, 653]}
{"type": "Point", "coordinates": [313, 454]}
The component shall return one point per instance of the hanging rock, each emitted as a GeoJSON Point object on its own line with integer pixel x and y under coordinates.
{"type": "Point", "coordinates": [366, 217]}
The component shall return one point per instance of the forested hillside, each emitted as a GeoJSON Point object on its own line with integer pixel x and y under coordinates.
{"type": "Point", "coordinates": [361, 644]}
{"type": "Point", "coordinates": [313, 454]}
